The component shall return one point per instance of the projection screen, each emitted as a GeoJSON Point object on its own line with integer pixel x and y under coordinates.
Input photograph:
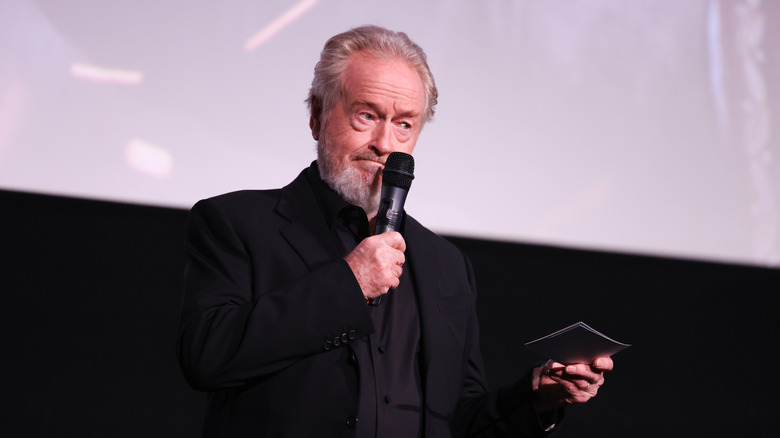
{"type": "Point", "coordinates": [634, 126]}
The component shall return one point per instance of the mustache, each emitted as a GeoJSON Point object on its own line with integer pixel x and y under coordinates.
{"type": "Point", "coordinates": [368, 156]}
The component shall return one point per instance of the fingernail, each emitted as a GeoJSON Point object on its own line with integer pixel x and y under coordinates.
{"type": "Point", "coordinates": [571, 369]}
{"type": "Point", "coordinates": [599, 363]}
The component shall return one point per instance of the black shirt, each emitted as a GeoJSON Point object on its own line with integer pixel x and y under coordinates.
{"type": "Point", "coordinates": [387, 361]}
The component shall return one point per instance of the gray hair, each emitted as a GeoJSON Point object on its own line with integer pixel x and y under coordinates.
{"type": "Point", "coordinates": [327, 85]}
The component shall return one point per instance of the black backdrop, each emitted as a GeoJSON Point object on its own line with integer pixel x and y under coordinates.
{"type": "Point", "coordinates": [90, 295]}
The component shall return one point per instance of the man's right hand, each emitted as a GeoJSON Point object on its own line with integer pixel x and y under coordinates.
{"type": "Point", "coordinates": [377, 263]}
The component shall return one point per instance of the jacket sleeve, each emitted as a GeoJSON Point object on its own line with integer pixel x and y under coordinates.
{"type": "Point", "coordinates": [507, 411]}
{"type": "Point", "coordinates": [246, 313]}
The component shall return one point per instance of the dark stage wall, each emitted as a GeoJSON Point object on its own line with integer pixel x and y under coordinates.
{"type": "Point", "coordinates": [90, 295]}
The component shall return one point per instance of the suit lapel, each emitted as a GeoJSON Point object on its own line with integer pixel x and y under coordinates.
{"type": "Point", "coordinates": [423, 258]}
{"type": "Point", "coordinates": [445, 312]}
{"type": "Point", "coordinates": [307, 231]}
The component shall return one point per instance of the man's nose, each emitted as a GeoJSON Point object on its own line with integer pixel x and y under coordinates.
{"type": "Point", "coordinates": [383, 141]}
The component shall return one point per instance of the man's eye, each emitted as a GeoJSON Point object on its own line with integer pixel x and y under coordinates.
{"type": "Point", "coordinates": [367, 116]}
{"type": "Point", "coordinates": [406, 125]}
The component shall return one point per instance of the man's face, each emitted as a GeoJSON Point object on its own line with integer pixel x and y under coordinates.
{"type": "Point", "coordinates": [380, 112]}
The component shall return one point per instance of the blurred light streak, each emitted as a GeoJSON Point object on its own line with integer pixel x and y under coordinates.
{"type": "Point", "coordinates": [149, 159]}
{"type": "Point", "coordinates": [717, 65]}
{"type": "Point", "coordinates": [279, 24]}
{"type": "Point", "coordinates": [107, 75]}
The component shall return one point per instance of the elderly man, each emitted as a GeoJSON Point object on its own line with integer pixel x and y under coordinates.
{"type": "Point", "coordinates": [275, 322]}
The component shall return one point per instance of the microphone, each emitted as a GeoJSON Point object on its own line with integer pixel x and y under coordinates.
{"type": "Point", "coordinates": [396, 180]}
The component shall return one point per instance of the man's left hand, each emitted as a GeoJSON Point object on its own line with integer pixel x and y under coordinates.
{"type": "Point", "coordinates": [557, 385]}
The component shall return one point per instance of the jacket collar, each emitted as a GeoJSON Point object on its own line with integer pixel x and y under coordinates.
{"type": "Point", "coordinates": [307, 231]}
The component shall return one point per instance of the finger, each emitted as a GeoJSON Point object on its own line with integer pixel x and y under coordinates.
{"type": "Point", "coordinates": [575, 383]}
{"type": "Point", "coordinates": [592, 388]}
{"type": "Point", "coordinates": [395, 282]}
{"type": "Point", "coordinates": [574, 388]}
{"type": "Point", "coordinates": [579, 375]}
{"type": "Point", "coordinates": [591, 385]}
{"type": "Point", "coordinates": [603, 363]}
{"type": "Point", "coordinates": [576, 370]}
{"type": "Point", "coordinates": [552, 367]}
{"type": "Point", "coordinates": [583, 374]}
{"type": "Point", "coordinates": [576, 392]}
{"type": "Point", "coordinates": [395, 240]}
{"type": "Point", "coordinates": [582, 371]}
{"type": "Point", "coordinates": [401, 259]}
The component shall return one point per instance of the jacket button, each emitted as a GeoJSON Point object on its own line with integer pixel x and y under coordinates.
{"type": "Point", "coordinates": [344, 337]}
{"type": "Point", "coordinates": [351, 421]}
{"type": "Point", "coordinates": [336, 341]}
{"type": "Point", "coordinates": [352, 335]}
{"type": "Point", "coordinates": [327, 345]}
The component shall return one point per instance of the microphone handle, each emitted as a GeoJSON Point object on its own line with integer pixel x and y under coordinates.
{"type": "Point", "coordinates": [391, 209]}
{"type": "Point", "coordinates": [389, 217]}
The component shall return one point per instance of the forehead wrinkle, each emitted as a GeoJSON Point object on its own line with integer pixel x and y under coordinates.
{"type": "Point", "coordinates": [392, 91]}
{"type": "Point", "coordinates": [398, 107]}
{"type": "Point", "coordinates": [401, 100]}
{"type": "Point", "coordinates": [365, 76]}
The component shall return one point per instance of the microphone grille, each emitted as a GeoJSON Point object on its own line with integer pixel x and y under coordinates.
{"type": "Point", "coordinates": [399, 170]}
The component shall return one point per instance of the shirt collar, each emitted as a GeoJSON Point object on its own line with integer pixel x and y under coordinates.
{"type": "Point", "coordinates": [330, 203]}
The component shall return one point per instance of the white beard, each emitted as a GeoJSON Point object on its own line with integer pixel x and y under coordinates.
{"type": "Point", "coordinates": [355, 186]}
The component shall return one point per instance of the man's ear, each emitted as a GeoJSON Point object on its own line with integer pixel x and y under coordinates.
{"type": "Point", "coordinates": [314, 117]}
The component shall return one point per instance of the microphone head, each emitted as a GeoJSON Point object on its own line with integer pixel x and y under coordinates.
{"type": "Point", "coordinates": [399, 170]}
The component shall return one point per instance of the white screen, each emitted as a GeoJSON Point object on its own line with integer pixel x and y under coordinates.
{"type": "Point", "coordinates": [641, 126]}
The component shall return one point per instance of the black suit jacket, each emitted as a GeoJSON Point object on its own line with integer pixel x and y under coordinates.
{"type": "Point", "coordinates": [269, 304]}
